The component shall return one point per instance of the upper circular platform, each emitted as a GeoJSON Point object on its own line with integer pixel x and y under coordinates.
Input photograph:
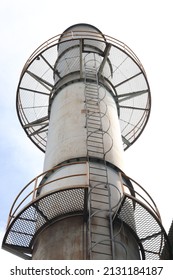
{"type": "Point", "coordinates": [118, 66]}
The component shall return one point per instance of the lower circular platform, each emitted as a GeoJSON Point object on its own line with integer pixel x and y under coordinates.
{"type": "Point", "coordinates": [29, 218]}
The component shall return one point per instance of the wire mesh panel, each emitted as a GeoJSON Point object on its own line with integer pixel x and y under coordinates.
{"type": "Point", "coordinates": [147, 227]}
{"type": "Point", "coordinates": [52, 64]}
{"type": "Point", "coordinates": [28, 223]}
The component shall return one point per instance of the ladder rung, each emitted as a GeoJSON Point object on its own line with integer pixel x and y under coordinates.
{"type": "Point", "coordinates": [95, 147]}
{"type": "Point", "coordinates": [96, 152]}
{"type": "Point", "coordinates": [90, 118]}
{"type": "Point", "coordinates": [97, 186]}
{"type": "Point", "coordinates": [97, 119]}
{"type": "Point", "coordinates": [92, 106]}
{"type": "Point", "coordinates": [95, 114]}
{"type": "Point", "coordinates": [101, 242]}
{"type": "Point", "coordinates": [97, 181]}
{"type": "Point", "coordinates": [89, 93]}
{"type": "Point", "coordinates": [101, 253]}
{"type": "Point", "coordinates": [90, 139]}
{"type": "Point", "coordinates": [93, 111]}
{"type": "Point", "coordinates": [104, 196]}
{"type": "Point", "coordinates": [99, 219]}
{"type": "Point", "coordinates": [89, 82]}
{"type": "Point", "coordinates": [91, 144]}
{"type": "Point", "coordinates": [100, 132]}
{"type": "Point", "coordinates": [93, 99]}
{"type": "Point", "coordinates": [93, 141]}
{"type": "Point", "coordinates": [91, 102]}
{"type": "Point", "coordinates": [101, 191]}
{"type": "Point", "coordinates": [97, 174]}
{"type": "Point", "coordinates": [89, 122]}
{"type": "Point", "coordinates": [89, 87]}
{"type": "Point", "coordinates": [94, 129]}
{"type": "Point", "coordinates": [99, 202]}
{"type": "Point", "coordinates": [98, 214]}
{"type": "Point", "coordinates": [94, 123]}
{"type": "Point", "coordinates": [104, 245]}
{"type": "Point", "coordinates": [98, 140]}
{"type": "Point", "coordinates": [92, 91]}
{"type": "Point", "coordinates": [97, 122]}
{"type": "Point", "coordinates": [102, 233]}
{"type": "Point", "coordinates": [93, 117]}
{"type": "Point", "coordinates": [96, 238]}
{"type": "Point", "coordinates": [97, 130]}
{"type": "Point", "coordinates": [91, 136]}
{"type": "Point", "coordinates": [90, 73]}
{"type": "Point", "coordinates": [94, 132]}
{"type": "Point", "coordinates": [98, 168]}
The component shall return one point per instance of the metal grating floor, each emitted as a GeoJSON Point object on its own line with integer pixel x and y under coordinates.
{"type": "Point", "coordinates": [151, 234]}
{"type": "Point", "coordinates": [35, 216]}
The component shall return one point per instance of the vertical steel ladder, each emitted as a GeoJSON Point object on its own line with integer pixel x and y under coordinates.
{"type": "Point", "coordinates": [100, 228]}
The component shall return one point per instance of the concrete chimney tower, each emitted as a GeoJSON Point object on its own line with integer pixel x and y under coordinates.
{"type": "Point", "coordinates": [83, 98]}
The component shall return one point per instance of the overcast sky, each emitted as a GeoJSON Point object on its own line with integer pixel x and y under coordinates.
{"type": "Point", "coordinates": [146, 27]}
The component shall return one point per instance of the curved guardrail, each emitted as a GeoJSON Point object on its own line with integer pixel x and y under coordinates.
{"type": "Point", "coordinates": [77, 35]}
{"type": "Point", "coordinates": [30, 213]}
{"type": "Point", "coordinates": [29, 192]}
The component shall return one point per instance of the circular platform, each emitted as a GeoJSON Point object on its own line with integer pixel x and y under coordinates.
{"type": "Point", "coordinates": [30, 215]}
{"type": "Point", "coordinates": [126, 78]}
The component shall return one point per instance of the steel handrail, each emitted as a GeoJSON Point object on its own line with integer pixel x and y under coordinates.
{"type": "Point", "coordinates": [68, 36]}
{"type": "Point", "coordinates": [37, 186]}
{"type": "Point", "coordinates": [154, 207]}
{"type": "Point", "coordinates": [14, 209]}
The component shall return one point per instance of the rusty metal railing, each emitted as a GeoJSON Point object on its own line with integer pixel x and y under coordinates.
{"type": "Point", "coordinates": [36, 185]}
{"type": "Point", "coordinates": [30, 191]}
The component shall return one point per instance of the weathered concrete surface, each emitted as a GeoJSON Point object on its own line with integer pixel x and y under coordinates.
{"type": "Point", "coordinates": [64, 240]}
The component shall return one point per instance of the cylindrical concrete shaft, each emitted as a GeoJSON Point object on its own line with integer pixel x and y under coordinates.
{"type": "Point", "coordinates": [67, 141]}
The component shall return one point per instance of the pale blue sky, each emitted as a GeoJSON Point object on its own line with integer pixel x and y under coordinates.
{"type": "Point", "coordinates": [146, 27]}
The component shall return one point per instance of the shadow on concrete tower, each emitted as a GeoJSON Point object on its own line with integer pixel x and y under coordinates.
{"type": "Point", "coordinates": [83, 98]}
